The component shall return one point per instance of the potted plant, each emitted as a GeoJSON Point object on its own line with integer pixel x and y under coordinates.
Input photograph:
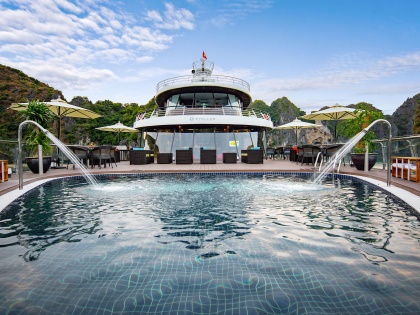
{"type": "Point", "coordinates": [39, 113]}
{"type": "Point", "coordinates": [366, 115]}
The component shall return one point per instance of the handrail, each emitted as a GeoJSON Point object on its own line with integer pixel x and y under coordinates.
{"type": "Point", "coordinates": [183, 111]}
{"type": "Point", "coordinates": [400, 138]}
{"type": "Point", "coordinates": [211, 78]}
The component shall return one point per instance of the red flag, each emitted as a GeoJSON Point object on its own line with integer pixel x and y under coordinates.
{"type": "Point", "coordinates": [204, 55]}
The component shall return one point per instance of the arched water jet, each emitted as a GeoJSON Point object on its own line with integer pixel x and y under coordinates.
{"type": "Point", "coordinates": [85, 172]}
{"type": "Point", "coordinates": [330, 165]}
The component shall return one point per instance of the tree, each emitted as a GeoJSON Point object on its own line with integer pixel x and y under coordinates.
{"type": "Point", "coordinates": [40, 113]}
{"type": "Point", "coordinates": [352, 127]}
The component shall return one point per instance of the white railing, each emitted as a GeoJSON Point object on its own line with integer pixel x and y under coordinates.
{"type": "Point", "coordinates": [202, 111]}
{"type": "Point", "coordinates": [203, 78]}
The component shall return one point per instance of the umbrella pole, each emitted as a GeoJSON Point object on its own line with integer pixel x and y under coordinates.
{"type": "Point", "coordinates": [335, 132]}
{"type": "Point", "coordinates": [59, 136]}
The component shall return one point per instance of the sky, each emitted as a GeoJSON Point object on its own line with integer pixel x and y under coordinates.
{"type": "Point", "coordinates": [314, 52]}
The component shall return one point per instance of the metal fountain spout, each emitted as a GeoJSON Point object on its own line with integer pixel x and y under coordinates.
{"type": "Point", "coordinates": [346, 149]}
{"type": "Point", "coordinates": [388, 168]}
{"type": "Point", "coordinates": [20, 168]}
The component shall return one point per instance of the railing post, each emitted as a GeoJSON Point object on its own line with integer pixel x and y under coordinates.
{"type": "Point", "coordinates": [383, 155]}
{"type": "Point", "coordinates": [367, 157]}
{"type": "Point", "coordinates": [40, 160]}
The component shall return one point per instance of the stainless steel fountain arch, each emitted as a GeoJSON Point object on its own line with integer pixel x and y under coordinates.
{"type": "Point", "coordinates": [388, 158]}
{"type": "Point", "coordinates": [19, 161]}
{"type": "Point", "coordinates": [70, 155]}
{"type": "Point", "coordinates": [346, 149]}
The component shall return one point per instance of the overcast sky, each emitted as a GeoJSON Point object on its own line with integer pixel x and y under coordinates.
{"type": "Point", "coordinates": [315, 52]}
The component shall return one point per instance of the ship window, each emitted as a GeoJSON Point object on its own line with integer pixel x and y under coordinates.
{"type": "Point", "coordinates": [173, 100]}
{"type": "Point", "coordinates": [233, 101]}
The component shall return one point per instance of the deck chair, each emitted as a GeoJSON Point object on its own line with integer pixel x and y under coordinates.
{"type": "Point", "coordinates": [329, 152]}
{"type": "Point", "coordinates": [270, 153]}
{"type": "Point", "coordinates": [309, 153]}
{"type": "Point", "coordinates": [81, 153]}
{"type": "Point", "coordinates": [286, 152]}
{"type": "Point", "coordinates": [103, 154]}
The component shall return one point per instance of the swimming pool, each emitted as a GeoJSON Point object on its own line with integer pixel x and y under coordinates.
{"type": "Point", "coordinates": [209, 244]}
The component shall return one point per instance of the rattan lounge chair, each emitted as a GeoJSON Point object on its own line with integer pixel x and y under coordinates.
{"type": "Point", "coordinates": [140, 157]}
{"type": "Point", "coordinates": [184, 156]}
{"type": "Point", "coordinates": [270, 153]}
{"type": "Point", "coordinates": [81, 153]}
{"type": "Point", "coordinates": [164, 158]}
{"type": "Point", "coordinates": [253, 156]}
{"type": "Point", "coordinates": [101, 155]}
{"type": "Point", "coordinates": [207, 156]}
{"type": "Point", "coordinates": [229, 157]}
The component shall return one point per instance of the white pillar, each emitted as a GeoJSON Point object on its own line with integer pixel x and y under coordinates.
{"type": "Point", "coordinates": [40, 162]}
{"type": "Point", "coordinates": [367, 157]}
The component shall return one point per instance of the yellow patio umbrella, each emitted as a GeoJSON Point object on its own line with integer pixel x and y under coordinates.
{"type": "Point", "coordinates": [62, 109]}
{"type": "Point", "coordinates": [296, 125]}
{"type": "Point", "coordinates": [118, 127]}
{"type": "Point", "coordinates": [336, 113]}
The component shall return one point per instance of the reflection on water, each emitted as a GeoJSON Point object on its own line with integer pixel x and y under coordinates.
{"type": "Point", "coordinates": [277, 243]}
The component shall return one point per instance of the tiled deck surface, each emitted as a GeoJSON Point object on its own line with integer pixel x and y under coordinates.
{"type": "Point", "coordinates": [269, 165]}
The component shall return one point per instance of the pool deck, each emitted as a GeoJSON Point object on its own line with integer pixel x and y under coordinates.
{"type": "Point", "coordinates": [399, 187]}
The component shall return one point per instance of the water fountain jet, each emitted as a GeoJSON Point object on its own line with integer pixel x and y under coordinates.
{"type": "Point", "coordinates": [329, 167]}
{"type": "Point", "coordinates": [73, 158]}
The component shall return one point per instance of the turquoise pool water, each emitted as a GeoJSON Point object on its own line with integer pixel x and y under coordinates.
{"type": "Point", "coordinates": [209, 244]}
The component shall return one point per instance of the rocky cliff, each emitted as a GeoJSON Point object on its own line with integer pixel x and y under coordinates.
{"type": "Point", "coordinates": [404, 118]}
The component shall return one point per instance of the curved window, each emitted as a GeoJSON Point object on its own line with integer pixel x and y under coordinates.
{"type": "Point", "coordinates": [221, 139]}
{"type": "Point", "coordinates": [203, 100]}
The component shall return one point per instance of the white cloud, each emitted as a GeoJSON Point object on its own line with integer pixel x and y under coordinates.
{"type": "Point", "coordinates": [173, 19]}
{"type": "Point", "coordinates": [73, 43]}
{"type": "Point", "coordinates": [345, 73]}
{"type": "Point", "coordinates": [144, 59]}
{"type": "Point", "coordinates": [230, 10]}
{"type": "Point", "coordinates": [343, 81]}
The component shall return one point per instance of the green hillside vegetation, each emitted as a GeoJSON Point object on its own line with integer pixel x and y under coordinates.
{"type": "Point", "coordinates": [416, 127]}
{"type": "Point", "coordinates": [405, 119]}
{"type": "Point", "coordinates": [16, 86]}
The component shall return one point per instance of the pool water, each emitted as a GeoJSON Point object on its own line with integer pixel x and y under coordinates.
{"type": "Point", "coordinates": [209, 244]}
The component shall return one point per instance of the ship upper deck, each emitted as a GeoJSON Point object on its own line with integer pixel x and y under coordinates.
{"type": "Point", "coordinates": [203, 81]}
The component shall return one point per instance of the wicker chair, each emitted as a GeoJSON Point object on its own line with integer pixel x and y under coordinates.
{"type": "Point", "coordinates": [331, 150]}
{"type": "Point", "coordinates": [270, 153]}
{"type": "Point", "coordinates": [102, 155]}
{"type": "Point", "coordinates": [252, 156]}
{"type": "Point", "coordinates": [207, 156]}
{"type": "Point", "coordinates": [184, 156]}
{"type": "Point", "coordinates": [229, 157]}
{"type": "Point", "coordinates": [308, 153]}
{"type": "Point", "coordinates": [140, 157]}
{"type": "Point", "coordinates": [164, 158]}
{"type": "Point", "coordinates": [81, 153]}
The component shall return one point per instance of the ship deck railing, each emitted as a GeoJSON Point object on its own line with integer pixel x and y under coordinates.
{"type": "Point", "coordinates": [191, 79]}
{"type": "Point", "coordinates": [186, 111]}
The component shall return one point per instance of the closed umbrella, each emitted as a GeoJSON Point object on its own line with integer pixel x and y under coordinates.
{"type": "Point", "coordinates": [296, 125]}
{"type": "Point", "coordinates": [62, 109]}
{"type": "Point", "coordinates": [336, 113]}
{"type": "Point", "coordinates": [118, 127]}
